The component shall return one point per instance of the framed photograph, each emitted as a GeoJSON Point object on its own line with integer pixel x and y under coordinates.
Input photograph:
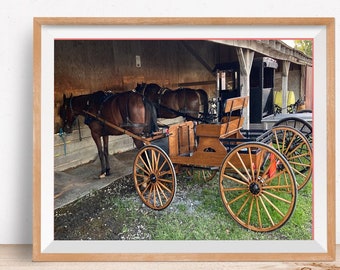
{"type": "Point", "coordinates": [79, 56]}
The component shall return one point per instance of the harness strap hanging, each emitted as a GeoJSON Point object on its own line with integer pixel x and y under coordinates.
{"type": "Point", "coordinates": [61, 135]}
{"type": "Point", "coordinates": [80, 138]}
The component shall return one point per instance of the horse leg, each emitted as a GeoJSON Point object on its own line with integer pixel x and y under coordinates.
{"type": "Point", "coordinates": [106, 154]}
{"type": "Point", "coordinates": [139, 144]}
{"type": "Point", "coordinates": [97, 140]}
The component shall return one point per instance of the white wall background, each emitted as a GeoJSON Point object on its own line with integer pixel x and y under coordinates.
{"type": "Point", "coordinates": [16, 46]}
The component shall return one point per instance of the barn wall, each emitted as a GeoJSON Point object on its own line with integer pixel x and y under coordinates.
{"type": "Point", "coordinates": [84, 66]}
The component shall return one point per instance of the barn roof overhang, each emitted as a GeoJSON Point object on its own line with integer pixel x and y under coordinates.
{"type": "Point", "coordinates": [272, 48]}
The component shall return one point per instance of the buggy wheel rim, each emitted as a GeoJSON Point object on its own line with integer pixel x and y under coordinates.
{"type": "Point", "coordinates": [154, 177]}
{"type": "Point", "coordinates": [257, 187]}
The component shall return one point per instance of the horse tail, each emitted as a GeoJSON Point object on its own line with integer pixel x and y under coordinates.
{"type": "Point", "coordinates": [151, 115]}
{"type": "Point", "coordinates": [204, 101]}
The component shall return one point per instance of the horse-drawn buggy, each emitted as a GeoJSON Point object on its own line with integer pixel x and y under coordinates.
{"type": "Point", "coordinates": [259, 171]}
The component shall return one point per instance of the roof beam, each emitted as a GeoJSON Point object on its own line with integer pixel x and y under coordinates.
{"type": "Point", "coordinates": [271, 48]}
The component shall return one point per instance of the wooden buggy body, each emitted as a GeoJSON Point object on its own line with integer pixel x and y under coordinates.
{"type": "Point", "coordinates": [259, 176]}
{"type": "Point", "coordinates": [201, 145]}
{"type": "Point", "coordinates": [260, 172]}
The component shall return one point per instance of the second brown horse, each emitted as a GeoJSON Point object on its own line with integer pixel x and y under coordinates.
{"type": "Point", "coordinates": [187, 102]}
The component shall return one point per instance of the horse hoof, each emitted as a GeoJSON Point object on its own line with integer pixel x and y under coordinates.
{"type": "Point", "coordinates": [102, 176]}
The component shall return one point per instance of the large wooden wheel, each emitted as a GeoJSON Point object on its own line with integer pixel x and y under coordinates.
{"type": "Point", "coordinates": [257, 187]}
{"type": "Point", "coordinates": [299, 124]}
{"type": "Point", "coordinates": [297, 150]}
{"type": "Point", "coordinates": [154, 177]}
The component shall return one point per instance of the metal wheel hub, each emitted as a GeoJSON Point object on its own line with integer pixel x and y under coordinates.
{"type": "Point", "coordinates": [153, 178]}
{"type": "Point", "coordinates": [254, 188]}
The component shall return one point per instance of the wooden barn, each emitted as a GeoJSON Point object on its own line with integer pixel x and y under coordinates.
{"type": "Point", "coordinates": [86, 66]}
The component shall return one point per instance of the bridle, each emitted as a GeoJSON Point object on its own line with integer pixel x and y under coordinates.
{"type": "Point", "coordinates": [69, 105]}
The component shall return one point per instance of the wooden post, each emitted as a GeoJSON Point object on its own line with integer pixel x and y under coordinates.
{"type": "Point", "coordinates": [285, 72]}
{"type": "Point", "coordinates": [302, 93]}
{"type": "Point", "coordinates": [245, 58]}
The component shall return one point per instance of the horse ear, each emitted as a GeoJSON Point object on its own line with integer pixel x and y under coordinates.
{"type": "Point", "coordinates": [64, 97]}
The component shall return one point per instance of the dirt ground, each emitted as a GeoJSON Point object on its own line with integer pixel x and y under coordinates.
{"type": "Point", "coordinates": [75, 183]}
{"type": "Point", "coordinates": [98, 216]}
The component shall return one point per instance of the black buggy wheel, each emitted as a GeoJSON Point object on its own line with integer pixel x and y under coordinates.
{"type": "Point", "coordinates": [299, 124]}
{"type": "Point", "coordinates": [257, 187]}
{"type": "Point", "coordinates": [296, 148]}
{"type": "Point", "coordinates": [154, 177]}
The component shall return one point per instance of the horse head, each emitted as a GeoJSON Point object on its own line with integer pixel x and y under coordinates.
{"type": "Point", "coordinates": [140, 88]}
{"type": "Point", "coordinates": [67, 114]}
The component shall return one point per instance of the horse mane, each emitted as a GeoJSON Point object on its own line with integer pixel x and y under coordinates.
{"type": "Point", "coordinates": [101, 96]}
{"type": "Point", "coordinates": [151, 109]}
{"type": "Point", "coordinates": [204, 100]}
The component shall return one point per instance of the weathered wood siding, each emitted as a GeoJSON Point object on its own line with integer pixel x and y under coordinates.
{"type": "Point", "coordinates": [84, 66]}
{"type": "Point", "coordinates": [78, 147]}
{"type": "Point", "coordinates": [70, 151]}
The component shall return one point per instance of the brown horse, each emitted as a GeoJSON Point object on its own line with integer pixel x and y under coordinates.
{"type": "Point", "coordinates": [190, 103]}
{"type": "Point", "coordinates": [128, 110]}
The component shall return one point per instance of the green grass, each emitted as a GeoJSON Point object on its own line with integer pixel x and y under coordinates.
{"type": "Point", "coordinates": [195, 214]}
{"type": "Point", "coordinates": [203, 217]}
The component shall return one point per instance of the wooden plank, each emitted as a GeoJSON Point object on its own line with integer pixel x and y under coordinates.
{"type": "Point", "coordinates": [20, 257]}
{"type": "Point", "coordinates": [181, 138]}
{"type": "Point", "coordinates": [210, 130]}
{"type": "Point", "coordinates": [77, 152]}
{"type": "Point", "coordinates": [234, 104]}
{"type": "Point", "coordinates": [200, 159]}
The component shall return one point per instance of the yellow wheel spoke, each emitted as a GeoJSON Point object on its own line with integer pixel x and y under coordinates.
{"type": "Point", "coordinates": [164, 187]}
{"type": "Point", "coordinates": [277, 142]}
{"type": "Point", "coordinates": [235, 180]}
{"type": "Point", "coordinates": [250, 210]}
{"type": "Point", "coordinates": [143, 169]}
{"type": "Point", "coordinates": [251, 164]}
{"type": "Point", "coordinates": [273, 205]}
{"type": "Point", "coordinates": [238, 198]}
{"type": "Point", "coordinates": [238, 172]}
{"type": "Point", "coordinates": [277, 187]}
{"type": "Point", "coordinates": [164, 195]}
{"type": "Point", "coordinates": [161, 167]}
{"type": "Point", "coordinates": [304, 155]}
{"type": "Point", "coordinates": [292, 151]}
{"type": "Point", "coordinates": [244, 204]}
{"type": "Point", "coordinates": [235, 189]}
{"type": "Point", "coordinates": [298, 172]}
{"type": "Point", "coordinates": [165, 180]}
{"type": "Point", "coordinates": [258, 212]}
{"type": "Point", "coordinates": [243, 165]}
{"type": "Point", "coordinates": [289, 145]}
{"type": "Point", "coordinates": [300, 164]}
{"type": "Point", "coordinates": [269, 180]}
{"type": "Point", "coordinates": [162, 173]}
{"type": "Point", "coordinates": [267, 212]}
{"type": "Point", "coordinates": [277, 197]}
{"type": "Point", "coordinates": [146, 188]}
{"type": "Point", "coordinates": [158, 195]}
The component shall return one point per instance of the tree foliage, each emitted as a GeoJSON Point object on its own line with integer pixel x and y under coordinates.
{"type": "Point", "coordinates": [305, 46]}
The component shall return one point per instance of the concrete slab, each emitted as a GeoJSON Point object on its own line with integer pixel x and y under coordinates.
{"type": "Point", "coordinates": [72, 184]}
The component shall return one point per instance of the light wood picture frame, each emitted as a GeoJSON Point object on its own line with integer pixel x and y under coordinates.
{"type": "Point", "coordinates": [321, 30]}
